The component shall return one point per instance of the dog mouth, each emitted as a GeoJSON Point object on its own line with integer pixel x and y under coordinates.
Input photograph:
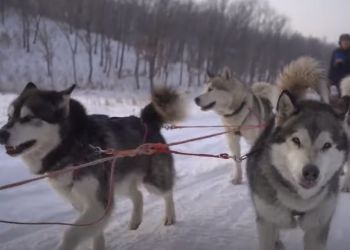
{"type": "Point", "coordinates": [308, 184]}
{"type": "Point", "coordinates": [17, 150]}
{"type": "Point", "coordinates": [209, 106]}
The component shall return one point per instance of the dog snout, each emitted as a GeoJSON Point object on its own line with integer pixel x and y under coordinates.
{"type": "Point", "coordinates": [311, 172]}
{"type": "Point", "coordinates": [197, 100]}
{"type": "Point", "coordinates": [4, 136]}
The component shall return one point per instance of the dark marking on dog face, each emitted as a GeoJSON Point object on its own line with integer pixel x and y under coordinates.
{"type": "Point", "coordinates": [49, 106]}
{"type": "Point", "coordinates": [315, 117]}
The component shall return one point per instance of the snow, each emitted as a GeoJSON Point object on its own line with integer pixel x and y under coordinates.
{"type": "Point", "coordinates": [211, 212]}
{"type": "Point", "coordinates": [18, 67]}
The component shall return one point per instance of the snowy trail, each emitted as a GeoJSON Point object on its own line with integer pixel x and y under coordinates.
{"type": "Point", "coordinates": [212, 214]}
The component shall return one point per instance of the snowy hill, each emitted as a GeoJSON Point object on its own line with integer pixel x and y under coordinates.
{"type": "Point", "coordinates": [18, 67]}
{"type": "Point", "coordinates": [212, 213]}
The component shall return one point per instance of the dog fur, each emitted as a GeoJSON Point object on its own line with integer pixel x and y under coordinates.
{"type": "Point", "coordinates": [238, 105]}
{"type": "Point", "coordinates": [303, 75]}
{"type": "Point", "coordinates": [345, 93]}
{"type": "Point", "coordinates": [50, 131]}
{"type": "Point", "coordinates": [293, 170]}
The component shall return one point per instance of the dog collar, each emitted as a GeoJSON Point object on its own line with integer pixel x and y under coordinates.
{"type": "Point", "coordinates": [238, 110]}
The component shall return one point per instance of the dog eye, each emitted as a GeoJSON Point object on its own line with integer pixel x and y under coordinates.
{"type": "Point", "coordinates": [296, 141]}
{"type": "Point", "coordinates": [26, 119]}
{"type": "Point", "coordinates": [326, 146]}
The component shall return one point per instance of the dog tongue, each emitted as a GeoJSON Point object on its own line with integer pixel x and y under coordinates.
{"type": "Point", "coordinates": [308, 184]}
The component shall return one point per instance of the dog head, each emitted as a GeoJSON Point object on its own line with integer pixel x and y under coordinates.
{"type": "Point", "coordinates": [309, 144]}
{"type": "Point", "coordinates": [223, 93]}
{"type": "Point", "coordinates": [34, 117]}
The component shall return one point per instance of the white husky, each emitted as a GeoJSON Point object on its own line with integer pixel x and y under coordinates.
{"type": "Point", "coordinates": [238, 105]}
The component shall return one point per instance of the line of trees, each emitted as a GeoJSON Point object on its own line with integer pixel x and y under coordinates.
{"type": "Point", "coordinates": [246, 35]}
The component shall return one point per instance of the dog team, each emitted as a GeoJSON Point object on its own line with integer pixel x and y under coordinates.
{"type": "Point", "coordinates": [293, 171]}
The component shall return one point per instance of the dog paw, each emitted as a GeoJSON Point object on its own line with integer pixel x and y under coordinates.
{"type": "Point", "coordinates": [279, 245]}
{"type": "Point", "coordinates": [168, 221]}
{"type": "Point", "coordinates": [64, 247]}
{"type": "Point", "coordinates": [134, 225]}
{"type": "Point", "coordinates": [236, 181]}
{"type": "Point", "coordinates": [346, 188]}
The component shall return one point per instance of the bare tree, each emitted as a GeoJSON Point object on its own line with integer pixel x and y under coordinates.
{"type": "Point", "coordinates": [246, 35]}
{"type": "Point", "coordinates": [2, 9]}
{"type": "Point", "coordinates": [47, 48]}
{"type": "Point", "coordinates": [72, 40]}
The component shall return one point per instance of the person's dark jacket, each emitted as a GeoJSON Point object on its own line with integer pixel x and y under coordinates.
{"type": "Point", "coordinates": [340, 66]}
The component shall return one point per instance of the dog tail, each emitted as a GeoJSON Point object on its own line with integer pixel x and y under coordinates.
{"type": "Point", "coordinates": [265, 90]}
{"type": "Point", "coordinates": [304, 74]}
{"type": "Point", "coordinates": [345, 86]}
{"type": "Point", "coordinates": [167, 106]}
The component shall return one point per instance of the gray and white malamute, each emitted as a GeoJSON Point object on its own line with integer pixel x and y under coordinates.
{"type": "Point", "coordinates": [293, 171]}
{"type": "Point", "coordinates": [345, 92]}
{"type": "Point", "coordinates": [51, 131]}
{"type": "Point", "coordinates": [238, 105]}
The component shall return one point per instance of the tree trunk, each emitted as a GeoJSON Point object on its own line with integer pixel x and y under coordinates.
{"type": "Point", "coordinates": [117, 56]}
{"type": "Point", "coordinates": [181, 68]}
{"type": "Point", "coordinates": [37, 27]}
{"type": "Point", "coordinates": [137, 66]}
{"type": "Point", "coordinates": [23, 30]}
{"type": "Point", "coordinates": [2, 6]}
{"type": "Point", "coordinates": [95, 44]}
{"type": "Point", "coordinates": [90, 67]}
{"type": "Point", "coordinates": [102, 49]}
{"type": "Point", "coordinates": [121, 62]}
{"type": "Point", "coordinates": [74, 51]}
{"type": "Point", "coordinates": [152, 65]}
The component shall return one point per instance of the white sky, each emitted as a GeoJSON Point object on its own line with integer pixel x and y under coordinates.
{"type": "Point", "coordinates": [320, 18]}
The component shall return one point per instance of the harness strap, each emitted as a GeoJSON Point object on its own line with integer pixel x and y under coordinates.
{"type": "Point", "coordinates": [237, 111]}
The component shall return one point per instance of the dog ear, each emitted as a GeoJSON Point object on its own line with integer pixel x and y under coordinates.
{"type": "Point", "coordinates": [285, 107]}
{"type": "Point", "coordinates": [68, 91]}
{"type": "Point", "coordinates": [342, 107]}
{"type": "Point", "coordinates": [227, 73]}
{"type": "Point", "coordinates": [29, 86]}
{"type": "Point", "coordinates": [65, 105]}
{"type": "Point", "coordinates": [210, 74]}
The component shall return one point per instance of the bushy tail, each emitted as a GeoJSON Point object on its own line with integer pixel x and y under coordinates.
{"type": "Point", "coordinates": [301, 75]}
{"type": "Point", "coordinates": [167, 106]}
{"type": "Point", "coordinates": [345, 86]}
{"type": "Point", "coordinates": [265, 90]}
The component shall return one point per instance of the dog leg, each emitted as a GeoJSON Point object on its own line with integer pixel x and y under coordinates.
{"type": "Point", "coordinates": [316, 238]}
{"type": "Point", "coordinates": [98, 242]}
{"type": "Point", "coordinates": [316, 224]}
{"type": "Point", "coordinates": [346, 187]}
{"type": "Point", "coordinates": [234, 144]}
{"type": "Point", "coordinates": [268, 235]}
{"type": "Point", "coordinates": [323, 91]}
{"type": "Point", "coordinates": [170, 217]}
{"type": "Point", "coordinates": [137, 211]}
{"type": "Point", "coordinates": [75, 235]}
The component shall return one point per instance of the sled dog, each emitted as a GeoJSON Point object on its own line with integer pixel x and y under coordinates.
{"type": "Point", "coordinates": [293, 170]}
{"type": "Point", "coordinates": [50, 131]}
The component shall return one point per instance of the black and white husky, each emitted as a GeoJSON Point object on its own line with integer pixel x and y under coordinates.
{"type": "Point", "coordinates": [51, 131]}
{"type": "Point", "coordinates": [295, 166]}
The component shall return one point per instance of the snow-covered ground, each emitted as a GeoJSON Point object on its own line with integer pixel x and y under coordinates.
{"type": "Point", "coordinates": [18, 67]}
{"type": "Point", "coordinates": [212, 214]}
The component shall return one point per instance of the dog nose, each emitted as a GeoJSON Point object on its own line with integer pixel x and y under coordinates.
{"type": "Point", "coordinates": [311, 172]}
{"type": "Point", "coordinates": [196, 100]}
{"type": "Point", "coordinates": [4, 136]}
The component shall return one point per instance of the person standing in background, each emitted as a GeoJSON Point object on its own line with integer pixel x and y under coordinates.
{"type": "Point", "coordinates": [340, 63]}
